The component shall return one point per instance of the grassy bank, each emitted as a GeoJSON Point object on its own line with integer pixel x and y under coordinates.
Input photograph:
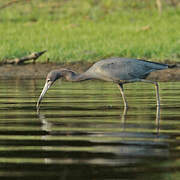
{"type": "Point", "coordinates": [79, 30]}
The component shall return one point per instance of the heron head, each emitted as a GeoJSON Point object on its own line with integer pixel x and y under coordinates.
{"type": "Point", "coordinates": [50, 79]}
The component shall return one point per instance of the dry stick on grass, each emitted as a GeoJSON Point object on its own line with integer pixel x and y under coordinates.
{"type": "Point", "coordinates": [10, 3]}
{"type": "Point", "coordinates": [21, 60]}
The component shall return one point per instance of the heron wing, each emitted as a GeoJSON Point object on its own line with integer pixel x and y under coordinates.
{"type": "Point", "coordinates": [124, 69]}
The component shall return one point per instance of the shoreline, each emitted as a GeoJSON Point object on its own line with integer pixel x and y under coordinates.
{"type": "Point", "coordinates": [39, 71]}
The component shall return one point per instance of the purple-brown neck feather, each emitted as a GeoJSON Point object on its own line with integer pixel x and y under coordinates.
{"type": "Point", "coordinates": [69, 75]}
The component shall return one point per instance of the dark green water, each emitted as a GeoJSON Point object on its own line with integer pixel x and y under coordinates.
{"type": "Point", "coordinates": [83, 132]}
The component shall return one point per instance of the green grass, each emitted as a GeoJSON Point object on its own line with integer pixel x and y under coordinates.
{"type": "Point", "coordinates": [89, 30]}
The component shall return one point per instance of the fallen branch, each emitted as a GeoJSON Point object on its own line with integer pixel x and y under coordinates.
{"type": "Point", "coordinates": [21, 60]}
{"type": "Point", "coordinates": [10, 3]}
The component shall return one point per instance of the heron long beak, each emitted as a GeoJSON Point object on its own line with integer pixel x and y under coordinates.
{"type": "Point", "coordinates": [46, 87]}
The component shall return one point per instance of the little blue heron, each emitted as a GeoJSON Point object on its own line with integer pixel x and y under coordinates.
{"type": "Point", "coordinates": [117, 70]}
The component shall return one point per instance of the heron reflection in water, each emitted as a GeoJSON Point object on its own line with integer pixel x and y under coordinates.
{"type": "Point", "coordinates": [117, 70]}
{"type": "Point", "coordinates": [47, 126]}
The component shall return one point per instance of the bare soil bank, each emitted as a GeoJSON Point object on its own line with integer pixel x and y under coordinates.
{"type": "Point", "coordinates": [39, 71]}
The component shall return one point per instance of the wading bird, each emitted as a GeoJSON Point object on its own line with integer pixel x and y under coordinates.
{"type": "Point", "coordinates": [117, 70]}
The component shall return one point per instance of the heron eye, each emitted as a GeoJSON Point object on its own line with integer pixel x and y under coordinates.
{"type": "Point", "coordinates": [48, 80]}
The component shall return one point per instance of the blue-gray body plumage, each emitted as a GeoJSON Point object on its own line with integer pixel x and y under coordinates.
{"type": "Point", "coordinates": [116, 69]}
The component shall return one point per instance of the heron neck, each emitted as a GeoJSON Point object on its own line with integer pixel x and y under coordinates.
{"type": "Point", "coordinates": [73, 76]}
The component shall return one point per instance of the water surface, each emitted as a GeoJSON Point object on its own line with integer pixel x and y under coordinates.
{"type": "Point", "coordinates": [84, 132]}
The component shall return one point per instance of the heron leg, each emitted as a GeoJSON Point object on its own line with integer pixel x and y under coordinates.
{"type": "Point", "coordinates": [120, 86]}
{"type": "Point", "coordinates": [147, 81]}
{"type": "Point", "coordinates": [156, 87]}
{"type": "Point", "coordinates": [152, 82]}
{"type": "Point", "coordinates": [157, 94]}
